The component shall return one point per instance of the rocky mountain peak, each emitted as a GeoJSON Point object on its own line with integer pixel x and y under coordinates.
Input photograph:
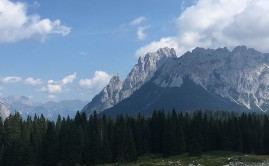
{"type": "Point", "coordinates": [160, 55]}
{"type": "Point", "coordinates": [166, 52]}
{"type": "Point", "coordinates": [142, 72]}
{"type": "Point", "coordinates": [115, 80]}
{"type": "Point", "coordinates": [240, 50]}
{"type": "Point", "coordinates": [240, 75]}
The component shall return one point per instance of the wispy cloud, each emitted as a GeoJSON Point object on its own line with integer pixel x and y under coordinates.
{"type": "Point", "coordinates": [11, 79]}
{"type": "Point", "coordinates": [17, 25]}
{"type": "Point", "coordinates": [141, 35]}
{"type": "Point", "coordinates": [140, 24]}
{"type": "Point", "coordinates": [36, 4]}
{"type": "Point", "coordinates": [138, 21]}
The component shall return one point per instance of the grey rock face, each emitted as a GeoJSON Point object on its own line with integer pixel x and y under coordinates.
{"type": "Point", "coordinates": [142, 72]}
{"type": "Point", "coordinates": [241, 75]}
{"type": "Point", "coordinates": [4, 112]}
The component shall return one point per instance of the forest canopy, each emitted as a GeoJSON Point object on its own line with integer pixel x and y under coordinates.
{"type": "Point", "coordinates": [98, 139]}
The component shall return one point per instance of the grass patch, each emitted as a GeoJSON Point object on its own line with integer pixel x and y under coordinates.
{"type": "Point", "coordinates": [215, 158]}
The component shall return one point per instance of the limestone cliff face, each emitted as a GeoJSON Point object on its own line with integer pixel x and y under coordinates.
{"type": "Point", "coordinates": [142, 72]}
{"type": "Point", "coordinates": [241, 75]}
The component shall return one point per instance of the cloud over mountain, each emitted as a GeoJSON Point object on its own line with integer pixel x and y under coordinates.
{"type": "Point", "coordinates": [98, 81]}
{"type": "Point", "coordinates": [54, 87]}
{"type": "Point", "coordinates": [218, 23]}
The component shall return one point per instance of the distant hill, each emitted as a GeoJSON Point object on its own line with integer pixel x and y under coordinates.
{"type": "Point", "coordinates": [26, 106]}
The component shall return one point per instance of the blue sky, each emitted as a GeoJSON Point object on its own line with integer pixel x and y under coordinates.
{"type": "Point", "coordinates": [69, 49]}
{"type": "Point", "coordinates": [101, 38]}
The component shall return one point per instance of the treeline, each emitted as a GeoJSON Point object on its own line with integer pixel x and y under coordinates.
{"type": "Point", "coordinates": [96, 140]}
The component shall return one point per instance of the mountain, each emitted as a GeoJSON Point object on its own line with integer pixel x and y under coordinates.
{"type": "Point", "coordinates": [21, 104]}
{"type": "Point", "coordinates": [204, 79]}
{"type": "Point", "coordinates": [65, 108]}
{"type": "Point", "coordinates": [4, 112]}
{"type": "Point", "coordinates": [141, 73]}
{"type": "Point", "coordinates": [26, 106]}
{"type": "Point", "coordinates": [188, 97]}
{"type": "Point", "coordinates": [240, 76]}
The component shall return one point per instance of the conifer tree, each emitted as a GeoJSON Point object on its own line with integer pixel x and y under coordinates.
{"type": "Point", "coordinates": [2, 141]}
{"type": "Point", "coordinates": [13, 154]}
{"type": "Point", "coordinates": [50, 146]}
{"type": "Point", "coordinates": [124, 147]}
{"type": "Point", "coordinates": [170, 142]}
{"type": "Point", "coordinates": [266, 134]}
{"type": "Point", "coordinates": [105, 149]}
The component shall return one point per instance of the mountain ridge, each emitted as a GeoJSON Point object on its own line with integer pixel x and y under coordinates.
{"type": "Point", "coordinates": [26, 106]}
{"type": "Point", "coordinates": [189, 97]}
{"type": "Point", "coordinates": [239, 77]}
{"type": "Point", "coordinates": [118, 90]}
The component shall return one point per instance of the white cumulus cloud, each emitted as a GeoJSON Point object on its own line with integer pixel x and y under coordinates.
{"type": "Point", "coordinates": [17, 25]}
{"type": "Point", "coordinates": [97, 82]}
{"type": "Point", "coordinates": [54, 87]}
{"type": "Point", "coordinates": [11, 79]}
{"type": "Point", "coordinates": [32, 81]}
{"type": "Point", "coordinates": [219, 23]}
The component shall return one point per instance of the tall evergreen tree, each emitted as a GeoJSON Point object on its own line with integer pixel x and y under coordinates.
{"type": "Point", "coordinates": [266, 134]}
{"type": "Point", "coordinates": [105, 149]}
{"type": "Point", "coordinates": [50, 146]}
{"type": "Point", "coordinates": [13, 128]}
{"type": "Point", "coordinates": [124, 146]}
{"type": "Point", "coordinates": [196, 138]}
{"type": "Point", "coordinates": [91, 153]}
{"type": "Point", "coordinates": [2, 141]}
{"type": "Point", "coordinates": [170, 140]}
{"type": "Point", "coordinates": [157, 127]}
